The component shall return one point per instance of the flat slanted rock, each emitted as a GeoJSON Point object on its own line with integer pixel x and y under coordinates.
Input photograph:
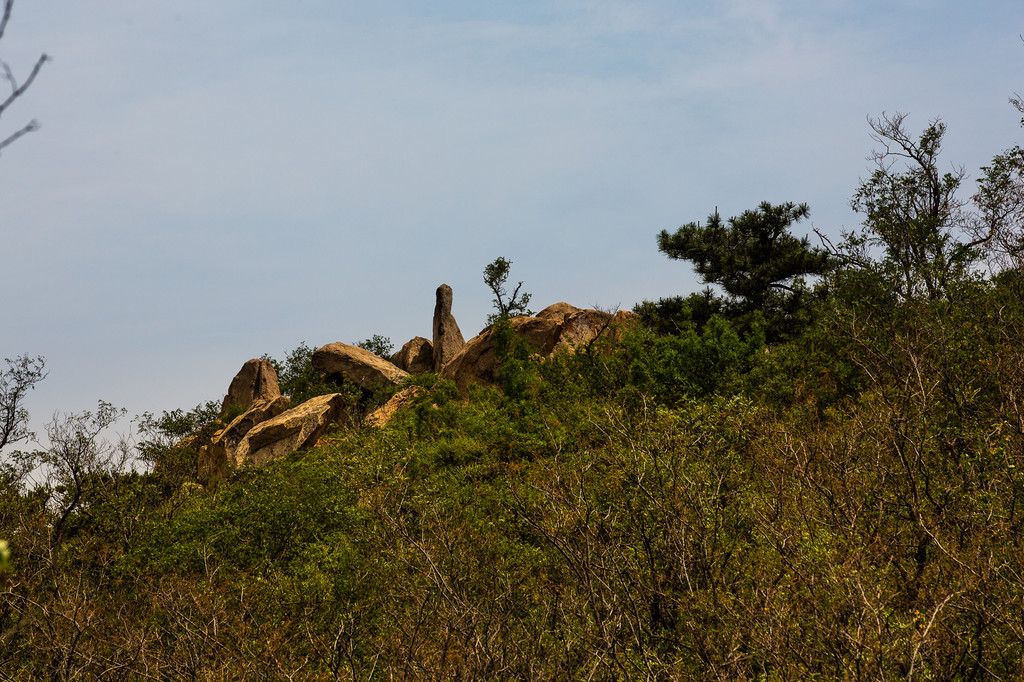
{"type": "Point", "coordinates": [359, 365]}
{"type": "Point", "coordinates": [296, 429]}
{"type": "Point", "coordinates": [216, 458]}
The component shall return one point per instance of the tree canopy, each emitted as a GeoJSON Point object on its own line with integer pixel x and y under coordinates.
{"type": "Point", "coordinates": [753, 257]}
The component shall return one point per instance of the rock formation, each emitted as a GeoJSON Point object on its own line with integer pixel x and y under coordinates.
{"type": "Point", "coordinates": [216, 458]}
{"type": "Point", "coordinates": [296, 429]}
{"type": "Point", "coordinates": [448, 339]}
{"type": "Point", "coordinates": [360, 366]}
{"type": "Point", "coordinates": [558, 328]}
{"type": "Point", "coordinates": [580, 327]}
{"type": "Point", "coordinates": [257, 380]}
{"type": "Point", "coordinates": [476, 362]}
{"type": "Point", "coordinates": [416, 356]}
{"type": "Point", "coordinates": [266, 431]}
{"type": "Point", "coordinates": [557, 311]}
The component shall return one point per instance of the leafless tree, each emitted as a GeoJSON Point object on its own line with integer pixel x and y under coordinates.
{"type": "Point", "coordinates": [17, 88]}
{"type": "Point", "coordinates": [80, 462]}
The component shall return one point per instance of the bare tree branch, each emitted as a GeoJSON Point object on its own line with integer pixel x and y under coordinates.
{"type": "Point", "coordinates": [16, 89]}
{"type": "Point", "coordinates": [29, 127]}
{"type": "Point", "coordinates": [8, 4]}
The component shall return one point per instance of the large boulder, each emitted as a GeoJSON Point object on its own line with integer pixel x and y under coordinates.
{"type": "Point", "coordinates": [557, 311]}
{"type": "Point", "coordinates": [448, 339]}
{"type": "Point", "coordinates": [476, 362]}
{"type": "Point", "coordinates": [581, 327]}
{"type": "Point", "coordinates": [360, 366]}
{"type": "Point", "coordinates": [416, 356]}
{"type": "Point", "coordinates": [296, 429]}
{"type": "Point", "coordinates": [558, 328]}
{"type": "Point", "coordinates": [256, 381]}
{"type": "Point", "coordinates": [216, 458]}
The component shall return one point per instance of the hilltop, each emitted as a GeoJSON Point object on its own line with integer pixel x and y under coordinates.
{"type": "Point", "coordinates": [812, 471]}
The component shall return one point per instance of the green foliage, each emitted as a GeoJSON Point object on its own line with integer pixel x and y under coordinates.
{"type": "Point", "coordinates": [661, 506]}
{"type": "Point", "coordinates": [174, 425]}
{"type": "Point", "coordinates": [517, 363]}
{"type": "Point", "coordinates": [21, 376]}
{"type": "Point", "coordinates": [843, 504]}
{"type": "Point", "coordinates": [755, 259]}
{"type": "Point", "coordinates": [674, 314]}
{"type": "Point", "coordinates": [170, 443]}
{"type": "Point", "coordinates": [691, 364]}
{"type": "Point", "coordinates": [380, 346]}
{"type": "Point", "coordinates": [1000, 203]}
{"type": "Point", "coordinates": [506, 305]}
{"type": "Point", "coordinates": [750, 257]}
{"type": "Point", "coordinates": [297, 378]}
{"type": "Point", "coordinates": [914, 216]}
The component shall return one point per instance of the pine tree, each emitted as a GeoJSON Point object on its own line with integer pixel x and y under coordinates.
{"type": "Point", "coordinates": [755, 259]}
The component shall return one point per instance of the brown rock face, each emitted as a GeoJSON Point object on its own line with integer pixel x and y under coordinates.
{"type": "Point", "coordinates": [216, 458]}
{"type": "Point", "coordinates": [558, 328]}
{"type": "Point", "coordinates": [257, 380]}
{"type": "Point", "coordinates": [296, 429]}
{"type": "Point", "coordinates": [557, 311]}
{"type": "Point", "coordinates": [623, 321]}
{"type": "Point", "coordinates": [476, 363]}
{"type": "Point", "coordinates": [416, 356]}
{"type": "Point", "coordinates": [581, 327]}
{"type": "Point", "coordinates": [448, 339]}
{"type": "Point", "coordinates": [360, 366]}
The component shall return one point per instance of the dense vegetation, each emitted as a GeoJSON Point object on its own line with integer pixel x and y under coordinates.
{"type": "Point", "coordinates": [799, 479]}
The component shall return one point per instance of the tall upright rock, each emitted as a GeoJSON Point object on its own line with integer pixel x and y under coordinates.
{"type": "Point", "coordinates": [448, 339]}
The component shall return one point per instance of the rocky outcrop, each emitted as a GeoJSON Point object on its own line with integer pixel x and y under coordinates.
{"type": "Point", "coordinates": [383, 414]}
{"type": "Point", "coordinates": [360, 366]}
{"type": "Point", "coordinates": [267, 431]}
{"type": "Point", "coordinates": [476, 362]}
{"type": "Point", "coordinates": [580, 327]}
{"type": "Point", "coordinates": [448, 339]}
{"type": "Point", "coordinates": [558, 328]}
{"type": "Point", "coordinates": [256, 381]}
{"type": "Point", "coordinates": [416, 356]}
{"type": "Point", "coordinates": [216, 458]}
{"type": "Point", "coordinates": [296, 429]}
{"type": "Point", "coordinates": [557, 311]}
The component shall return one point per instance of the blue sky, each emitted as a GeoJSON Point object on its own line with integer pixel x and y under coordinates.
{"type": "Point", "coordinates": [217, 180]}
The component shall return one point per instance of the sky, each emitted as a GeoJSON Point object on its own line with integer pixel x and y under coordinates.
{"type": "Point", "coordinates": [215, 181]}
